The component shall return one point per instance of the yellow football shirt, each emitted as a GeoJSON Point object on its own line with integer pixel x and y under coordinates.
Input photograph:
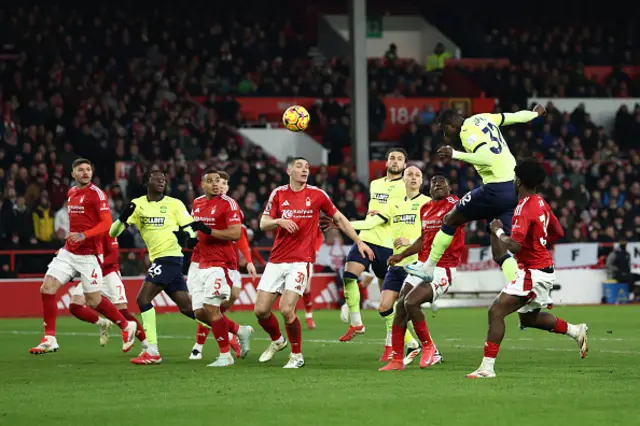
{"type": "Point", "coordinates": [404, 220]}
{"type": "Point", "coordinates": [157, 220]}
{"type": "Point", "coordinates": [382, 191]}
{"type": "Point", "coordinates": [483, 129]}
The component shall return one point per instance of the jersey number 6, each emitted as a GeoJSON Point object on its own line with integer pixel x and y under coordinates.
{"type": "Point", "coordinates": [496, 137]}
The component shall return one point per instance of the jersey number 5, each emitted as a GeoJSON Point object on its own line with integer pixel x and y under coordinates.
{"type": "Point", "coordinates": [544, 218]}
{"type": "Point", "coordinates": [496, 137]}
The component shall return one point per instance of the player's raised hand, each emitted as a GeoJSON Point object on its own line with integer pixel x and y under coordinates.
{"type": "Point", "coordinates": [401, 242]}
{"type": "Point", "coordinates": [75, 237]}
{"type": "Point", "coordinates": [445, 152]}
{"type": "Point", "coordinates": [127, 210]}
{"type": "Point", "coordinates": [251, 269]}
{"type": "Point", "coordinates": [540, 110]}
{"type": "Point", "coordinates": [495, 225]}
{"type": "Point", "coordinates": [288, 225]}
{"type": "Point", "coordinates": [393, 260]}
{"type": "Point", "coordinates": [327, 223]}
{"type": "Point", "coordinates": [365, 250]}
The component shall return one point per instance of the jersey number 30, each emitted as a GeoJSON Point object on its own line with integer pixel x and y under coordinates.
{"type": "Point", "coordinates": [496, 137]}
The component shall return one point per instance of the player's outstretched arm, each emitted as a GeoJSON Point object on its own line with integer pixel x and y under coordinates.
{"type": "Point", "coordinates": [120, 225]}
{"type": "Point", "coordinates": [369, 222]}
{"type": "Point", "coordinates": [345, 226]}
{"type": "Point", "coordinates": [520, 116]}
{"type": "Point", "coordinates": [117, 228]}
{"type": "Point", "coordinates": [511, 245]}
{"type": "Point", "coordinates": [409, 251]}
{"type": "Point", "coordinates": [481, 156]}
{"type": "Point", "coordinates": [232, 233]}
{"type": "Point", "coordinates": [267, 223]}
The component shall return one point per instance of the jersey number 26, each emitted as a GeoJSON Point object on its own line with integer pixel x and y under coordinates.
{"type": "Point", "coordinates": [496, 137]}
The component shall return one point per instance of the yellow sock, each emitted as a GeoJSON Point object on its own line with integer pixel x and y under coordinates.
{"type": "Point", "coordinates": [149, 323]}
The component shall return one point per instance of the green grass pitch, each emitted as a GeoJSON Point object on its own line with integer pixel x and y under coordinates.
{"type": "Point", "coordinates": [541, 378]}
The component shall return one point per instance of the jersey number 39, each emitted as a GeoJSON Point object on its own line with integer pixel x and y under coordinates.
{"type": "Point", "coordinates": [496, 137]}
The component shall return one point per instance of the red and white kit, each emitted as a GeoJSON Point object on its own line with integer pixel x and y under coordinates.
{"type": "Point", "coordinates": [432, 214]}
{"type": "Point", "coordinates": [87, 207]}
{"type": "Point", "coordinates": [534, 226]}
{"type": "Point", "coordinates": [293, 255]}
{"type": "Point", "coordinates": [212, 283]}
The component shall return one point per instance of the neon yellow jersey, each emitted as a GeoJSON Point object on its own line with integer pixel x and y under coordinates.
{"type": "Point", "coordinates": [382, 191]}
{"type": "Point", "coordinates": [157, 220]}
{"type": "Point", "coordinates": [404, 219]}
{"type": "Point", "coordinates": [483, 129]}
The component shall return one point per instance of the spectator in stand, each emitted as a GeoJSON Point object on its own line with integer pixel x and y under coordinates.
{"type": "Point", "coordinates": [436, 61]}
{"type": "Point", "coordinates": [43, 222]}
{"type": "Point", "coordinates": [61, 222]}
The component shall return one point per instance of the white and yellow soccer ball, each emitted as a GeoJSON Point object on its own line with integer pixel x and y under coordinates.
{"type": "Point", "coordinates": [296, 118]}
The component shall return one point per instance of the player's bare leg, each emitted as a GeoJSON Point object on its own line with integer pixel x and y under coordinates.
{"type": "Point", "coordinates": [48, 290]}
{"type": "Point", "coordinates": [549, 322]}
{"type": "Point", "coordinates": [239, 335]}
{"type": "Point", "coordinates": [79, 309]}
{"type": "Point", "coordinates": [150, 355]}
{"type": "Point", "coordinates": [288, 302]}
{"type": "Point", "coordinates": [352, 270]}
{"type": "Point", "coordinates": [308, 307]}
{"type": "Point", "coordinates": [269, 323]}
{"type": "Point", "coordinates": [103, 305]}
{"type": "Point", "coordinates": [211, 314]}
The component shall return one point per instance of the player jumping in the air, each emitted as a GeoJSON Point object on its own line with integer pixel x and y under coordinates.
{"type": "Point", "coordinates": [402, 218]}
{"type": "Point", "coordinates": [112, 288]}
{"type": "Point", "coordinates": [534, 226]}
{"type": "Point", "coordinates": [202, 332]}
{"type": "Point", "coordinates": [293, 212]}
{"type": "Point", "coordinates": [89, 220]}
{"type": "Point", "coordinates": [415, 292]}
{"type": "Point", "coordinates": [160, 220]}
{"type": "Point", "coordinates": [212, 283]}
{"type": "Point", "coordinates": [382, 191]}
{"type": "Point", "coordinates": [489, 154]}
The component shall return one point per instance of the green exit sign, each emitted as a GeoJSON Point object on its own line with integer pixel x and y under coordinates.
{"type": "Point", "coordinates": [374, 27]}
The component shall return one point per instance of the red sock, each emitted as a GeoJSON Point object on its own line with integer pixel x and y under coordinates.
{"type": "Point", "coordinates": [491, 349]}
{"type": "Point", "coordinates": [422, 331]}
{"type": "Point", "coordinates": [221, 333]}
{"type": "Point", "coordinates": [140, 334]}
{"type": "Point", "coordinates": [84, 313]}
{"type": "Point", "coordinates": [397, 341]}
{"type": "Point", "coordinates": [49, 313]}
{"type": "Point", "coordinates": [294, 331]}
{"type": "Point", "coordinates": [201, 334]}
{"type": "Point", "coordinates": [561, 327]}
{"type": "Point", "coordinates": [308, 305]}
{"type": "Point", "coordinates": [108, 309]}
{"type": "Point", "coordinates": [231, 325]}
{"type": "Point", "coordinates": [271, 326]}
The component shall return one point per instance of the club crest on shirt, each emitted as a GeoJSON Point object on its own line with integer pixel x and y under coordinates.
{"type": "Point", "coordinates": [163, 209]}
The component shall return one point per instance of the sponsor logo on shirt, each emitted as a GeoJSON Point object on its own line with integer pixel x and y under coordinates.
{"type": "Point", "coordinates": [380, 197]}
{"type": "Point", "coordinates": [408, 219]}
{"type": "Point", "coordinates": [297, 214]}
{"type": "Point", "coordinates": [156, 222]}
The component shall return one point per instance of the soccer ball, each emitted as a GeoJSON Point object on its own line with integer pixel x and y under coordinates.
{"type": "Point", "coordinates": [295, 118]}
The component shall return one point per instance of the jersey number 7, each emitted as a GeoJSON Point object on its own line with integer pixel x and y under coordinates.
{"type": "Point", "coordinates": [544, 218]}
{"type": "Point", "coordinates": [496, 137]}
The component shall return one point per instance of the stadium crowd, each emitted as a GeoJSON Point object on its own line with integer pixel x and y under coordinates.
{"type": "Point", "coordinates": [119, 86]}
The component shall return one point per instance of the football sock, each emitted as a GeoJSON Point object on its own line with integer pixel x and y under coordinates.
{"type": "Point", "coordinates": [221, 333]}
{"type": "Point", "coordinates": [149, 321]}
{"type": "Point", "coordinates": [271, 326]}
{"type": "Point", "coordinates": [563, 327]}
{"type": "Point", "coordinates": [294, 331]}
{"type": "Point", "coordinates": [388, 317]}
{"type": "Point", "coordinates": [422, 331]}
{"type": "Point", "coordinates": [201, 334]}
{"type": "Point", "coordinates": [409, 340]}
{"type": "Point", "coordinates": [108, 310]}
{"type": "Point", "coordinates": [397, 341]}
{"type": "Point", "coordinates": [509, 267]}
{"type": "Point", "coordinates": [140, 330]}
{"type": "Point", "coordinates": [232, 326]}
{"type": "Point", "coordinates": [49, 313]}
{"type": "Point", "coordinates": [490, 353]}
{"type": "Point", "coordinates": [352, 297]}
{"type": "Point", "coordinates": [84, 313]}
{"type": "Point", "coordinates": [306, 297]}
{"type": "Point", "coordinates": [441, 243]}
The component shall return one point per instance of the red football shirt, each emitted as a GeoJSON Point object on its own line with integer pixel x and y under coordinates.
{"type": "Point", "coordinates": [302, 207]}
{"type": "Point", "coordinates": [432, 214]}
{"type": "Point", "coordinates": [533, 226]}
{"type": "Point", "coordinates": [218, 213]}
{"type": "Point", "coordinates": [195, 256]}
{"type": "Point", "coordinates": [85, 206]}
{"type": "Point", "coordinates": [111, 261]}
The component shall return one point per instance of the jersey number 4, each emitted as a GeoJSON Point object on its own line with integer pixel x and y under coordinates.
{"type": "Point", "coordinates": [496, 137]}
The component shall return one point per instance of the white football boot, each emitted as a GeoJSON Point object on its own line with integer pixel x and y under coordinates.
{"type": "Point", "coordinates": [274, 347]}
{"type": "Point", "coordinates": [244, 336]}
{"type": "Point", "coordinates": [104, 325]}
{"type": "Point", "coordinates": [224, 360]}
{"type": "Point", "coordinates": [295, 361]}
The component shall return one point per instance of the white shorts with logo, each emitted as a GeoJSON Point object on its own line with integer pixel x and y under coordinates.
{"type": "Point", "coordinates": [112, 288]}
{"type": "Point", "coordinates": [279, 277]}
{"type": "Point", "coordinates": [442, 279]}
{"type": "Point", "coordinates": [533, 284]}
{"type": "Point", "coordinates": [65, 266]}
{"type": "Point", "coordinates": [211, 286]}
